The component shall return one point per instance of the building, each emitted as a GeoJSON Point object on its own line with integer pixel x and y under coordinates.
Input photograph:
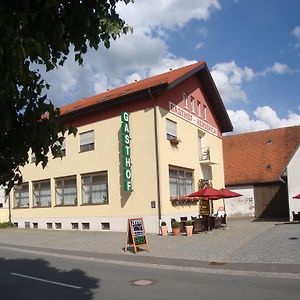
{"type": "Point", "coordinates": [138, 150]}
{"type": "Point", "coordinates": [253, 164]}
{"type": "Point", "coordinates": [291, 176]}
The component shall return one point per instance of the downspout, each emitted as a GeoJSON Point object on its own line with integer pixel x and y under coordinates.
{"type": "Point", "coordinates": [157, 158]}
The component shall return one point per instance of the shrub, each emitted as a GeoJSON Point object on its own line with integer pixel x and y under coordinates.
{"type": "Point", "coordinates": [6, 224]}
{"type": "Point", "coordinates": [163, 223]}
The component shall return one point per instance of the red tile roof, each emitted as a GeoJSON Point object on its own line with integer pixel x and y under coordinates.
{"type": "Point", "coordinates": [258, 157]}
{"type": "Point", "coordinates": [166, 80]}
{"type": "Point", "coordinates": [161, 79]}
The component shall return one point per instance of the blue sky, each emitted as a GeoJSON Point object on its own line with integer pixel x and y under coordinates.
{"type": "Point", "coordinates": [251, 47]}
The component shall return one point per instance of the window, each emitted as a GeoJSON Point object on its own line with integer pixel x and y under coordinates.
{"type": "Point", "coordinates": [198, 108]}
{"type": "Point", "coordinates": [66, 191]}
{"type": "Point", "coordinates": [21, 195]}
{"type": "Point", "coordinates": [204, 112]}
{"type": "Point", "coordinates": [49, 225]}
{"type": "Point", "coordinates": [192, 104]}
{"type": "Point", "coordinates": [181, 182]}
{"type": "Point", "coordinates": [85, 226]}
{"type": "Point", "coordinates": [33, 157]}
{"type": "Point", "coordinates": [87, 141]}
{"type": "Point", "coordinates": [63, 150]}
{"type": "Point", "coordinates": [171, 129]}
{"type": "Point", "coordinates": [185, 100]}
{"type": "Point", "coordinates": [75, 226]}
{"type": "Point", "coordinates": [95, 188]}
{"type": "Point", "coordinates": [42, 194]}
{"type": "Point", "coordinates": [105, 226]}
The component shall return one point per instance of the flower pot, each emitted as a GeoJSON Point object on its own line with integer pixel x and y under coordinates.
{"type": "Point", "coordinates": [164, 230]}
{"type": "Point", "coordinates": [176, 231]}
{"type": "Point", "coordinates": [189, 230]}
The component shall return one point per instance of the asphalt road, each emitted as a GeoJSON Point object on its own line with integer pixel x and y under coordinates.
{"type": "Point", "coordinates": [25, 275]}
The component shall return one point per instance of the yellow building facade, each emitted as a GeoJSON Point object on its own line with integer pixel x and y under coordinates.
{"type": "Point", "coordinates": [139, 150]}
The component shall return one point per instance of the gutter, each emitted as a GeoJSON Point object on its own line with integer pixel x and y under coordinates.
{"type": "Point", "coordinates": [157, 157]}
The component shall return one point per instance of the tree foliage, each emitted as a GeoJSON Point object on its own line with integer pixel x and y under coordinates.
{"type": "Point", "coordinates": [41, 32]}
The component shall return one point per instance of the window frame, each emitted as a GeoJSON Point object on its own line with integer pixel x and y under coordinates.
{"type": "Point", "coordinates": [18, 190]}
{"type": "Point", "coordinates": [63, 188]}
{"type": "Point", "coordinates": [90, 146]}
{"type": "Point", "coordinates": [39, 183]}
{"type": "Point", "coordinates": [192, 103]}
{"type": "Point", "coordinates": [170, 133]}
{"type": "Point", "coordinates": [204, 112]}
{"type": "Point", "coordinates": [199, 108]}
{"type": "Point", "coordinates": [91, 200]}
{"type": "Point", "coordinates": [181, 182]}
{"type": "Point", "coordinates": [185, 100]}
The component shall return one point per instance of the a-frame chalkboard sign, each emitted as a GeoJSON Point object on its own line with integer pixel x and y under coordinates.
{"type": "Point", "coordinates": [136, 235]}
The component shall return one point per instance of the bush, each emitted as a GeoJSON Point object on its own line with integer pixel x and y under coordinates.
{"type": "Point", "coordinates": [163, 223]}
{"type": "Point", "coordinates": [6, 224]}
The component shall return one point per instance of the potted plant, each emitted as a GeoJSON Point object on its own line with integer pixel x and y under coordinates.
{"type": "Point", "coordinates": [189, 227]}
{"type": "Point", "coordinates": [175, 228]}
{"type": "Point", "coordinates": [175, 141]}
{"type": "Point", "coordinates": [163, 228]}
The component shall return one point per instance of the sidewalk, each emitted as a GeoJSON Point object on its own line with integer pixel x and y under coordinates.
{"type": "Point", "coordinates": [266, 245]}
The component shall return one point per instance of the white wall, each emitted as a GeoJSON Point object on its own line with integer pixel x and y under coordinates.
{"type": "Point", "coordinates": [294, 183]}
{"type": "Point", "coordinates": [241, 206]}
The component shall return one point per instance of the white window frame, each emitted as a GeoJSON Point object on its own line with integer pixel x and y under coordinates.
{"type": "Point", "coordinates": [181, 182]}
{"type": "Point", "coordinates": [21, 200]}
{"type": "Point", "coordinates": [185, 100]}
{"type": "Point", "coordinates": [61, 199]}
{"type": "Point", "coordinates": [38, 195]}
{"type": "Point", "coordinates": [171, 129]}
{"type": "Point", "coordinates": [205, 112]}
{"type": "Point", "coordinates": [192, 104]}
{"type": "Point", "coordinates": [87, 141]}
{"type": "Point", "coordinates": [89, 194]}
{"type": "Point", "coordinates": [199, 108]}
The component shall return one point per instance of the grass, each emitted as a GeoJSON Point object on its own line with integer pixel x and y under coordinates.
{"type": "Point", "coordinates": [6, 224]}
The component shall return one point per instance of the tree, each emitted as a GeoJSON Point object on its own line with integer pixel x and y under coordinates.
{"type": "Point", "coordinates": [41, 32]}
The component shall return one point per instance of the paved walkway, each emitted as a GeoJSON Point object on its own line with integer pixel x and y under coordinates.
{"type": "Point", "coordinates": [243, 241]}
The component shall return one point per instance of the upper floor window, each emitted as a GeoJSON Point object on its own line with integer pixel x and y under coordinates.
{"type": "Point", "coordinates": [66, 191]}
{"type": "Point", "coordinates": [171, 129]}
{"type": "Point", "coordinates": [185, 100]}
{"type": "Point", "coordinates": [21, 195]}
{"type": "Point", "coordinates": [41, 193]}
{"type": "Point", "coordinates": [204, 112]}
{"type": "Point", "coordinates": [192, 104]}
{"type": "Point", "coordinates": [87, 141]}
{"type": "Point", "coordinates": [95, 188]}
{"type": "Point", "coordinates": [63, 148]}
{"type": "Point", "coordinates": [198, 108]}
{"type": "Point", "coordinates": [33, 157]}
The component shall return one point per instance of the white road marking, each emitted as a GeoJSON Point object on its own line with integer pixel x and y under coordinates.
{"type": "Point", "coordinates": [47, 281]}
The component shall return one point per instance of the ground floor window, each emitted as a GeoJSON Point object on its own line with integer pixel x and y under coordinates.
{"type": "Point", "coordinates": [42, 194]}
{"type": "Point", "coordinates": [66, 191]}
{"type": "Point", "coordinates": [181, 182]}
{"type": "Point", "coordinates": [21, 195]}
{"type": "Point", "coordinates": [95, 188]}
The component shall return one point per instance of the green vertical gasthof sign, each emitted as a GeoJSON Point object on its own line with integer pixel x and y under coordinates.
{"type": "Point", "coordinates": [126, 160]}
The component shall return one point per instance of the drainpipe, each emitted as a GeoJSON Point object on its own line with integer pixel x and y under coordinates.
{"type": "Point", "coordinates": [157, 158]}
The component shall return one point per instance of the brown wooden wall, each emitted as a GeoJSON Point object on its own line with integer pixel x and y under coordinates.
{"type": "Point", "coordinates": [271, 200]}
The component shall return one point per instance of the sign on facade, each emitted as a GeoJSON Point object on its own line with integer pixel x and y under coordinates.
{"type": "Point", "coordinates": [185, 115]}
{"type": "Point", "coordinates": [126, 160]}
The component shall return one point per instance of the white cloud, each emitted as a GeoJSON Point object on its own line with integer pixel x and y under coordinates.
{"type": "Point", "coordinates": [199, 46]}
{"type": "Point", "coordinates": [229, 78]}
{"type": "Point", "coordinates": [134, 56]}
{"type": "Point", "coordinates": [296, 34]}
{"type": "Point", "coordinates": [264, 118]}
{"type": "Point", "coordinates": [278, 68]}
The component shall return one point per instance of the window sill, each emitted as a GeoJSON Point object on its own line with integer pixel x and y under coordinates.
{"type": "Point", "coordinates": [65, 205]}
{"type": "Point", "coordinates": [92, 204]}
{"type": "Point", "coordinates": [41, 206]}
{"type": "Point", "coordinates": [21, 207]}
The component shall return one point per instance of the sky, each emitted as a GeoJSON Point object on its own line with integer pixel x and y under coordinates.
{"type": "Point", "coordinates": [252, 48]}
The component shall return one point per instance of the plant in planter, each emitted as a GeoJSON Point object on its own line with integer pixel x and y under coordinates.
{"type": "Point", "coordinates": [175, 228]}
{"type": "Point", "coordinates": [175, 141]}
{"type": "Point", "coordinates": [164, 228]}
{"type": "Point", "coordinates": [189, 227]}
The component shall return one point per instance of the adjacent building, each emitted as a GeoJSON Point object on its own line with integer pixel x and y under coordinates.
{"type": "Point", "coordinates": [254, 164]}
{"type": "Point", "coordinates": [139, 149]}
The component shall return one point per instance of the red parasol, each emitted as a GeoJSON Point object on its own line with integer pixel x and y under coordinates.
{"type": "Point", "coordinates": [228, 193]}
{"type": "Point", "coordinates": [297, 196]}
{"type": "Point", "coordinates": [207, 193]}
